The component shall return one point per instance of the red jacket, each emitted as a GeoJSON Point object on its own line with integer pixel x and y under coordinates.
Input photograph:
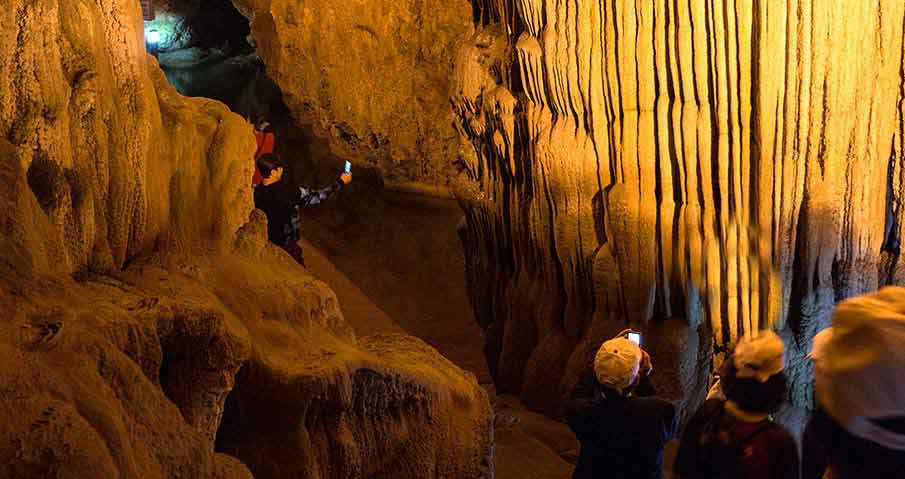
{"type": "Point", "coordinates": [265, 146]}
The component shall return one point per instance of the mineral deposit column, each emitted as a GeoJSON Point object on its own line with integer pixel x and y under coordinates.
{"type": "Point", "coordinates": [726, 163]}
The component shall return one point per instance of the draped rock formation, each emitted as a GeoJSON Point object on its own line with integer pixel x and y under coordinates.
{"type": "Point", "coordinates": [734, 164]}
{"type": "Point", "coordinates": [373, 76]}
{"type": "Point", "coordinates": [147, 322]}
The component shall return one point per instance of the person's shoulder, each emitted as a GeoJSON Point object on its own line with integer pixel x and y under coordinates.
{"type": "Point", "coordinates": [657, 406]}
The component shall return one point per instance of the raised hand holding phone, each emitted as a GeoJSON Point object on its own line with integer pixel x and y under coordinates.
{"type": "Point", "coordinates": [634, 337]}
{"type": "Point", "coordinates": [346, 176]}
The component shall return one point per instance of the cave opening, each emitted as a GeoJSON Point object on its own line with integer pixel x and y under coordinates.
{"type": "Point", "coordinates": [205, 49]}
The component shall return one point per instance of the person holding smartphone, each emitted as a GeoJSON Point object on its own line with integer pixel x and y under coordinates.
{"type": "Point", "coordinates": [621, 426]}
{"type": "Point", "coordinates": [282, 203]}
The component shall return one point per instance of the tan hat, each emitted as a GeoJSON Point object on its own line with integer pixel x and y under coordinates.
{"type": "Point", "coordinates": [617, 362]}
{"type": "Point", "coordinates": [861, 366]}
{"type": "Point", "coordinates": [759, 355]}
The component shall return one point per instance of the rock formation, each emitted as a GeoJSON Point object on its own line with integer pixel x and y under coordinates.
{"type": "Point", "coordinates": [373, 76]}
{"type": "Point", "coordinates": [148, 326]}
{"type": "Point", "coordinates": [734, 164]}
{"type": "Point", "coordinates": [199, 23]}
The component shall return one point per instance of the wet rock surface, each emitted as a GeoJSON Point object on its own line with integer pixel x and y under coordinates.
{"type": "Point", "coordinates": [145, 317]}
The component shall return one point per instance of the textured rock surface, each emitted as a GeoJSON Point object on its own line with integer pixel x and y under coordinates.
{"type": "Point", "coordinates": [142, 304]}
{"type": "Point", "coordinates": [373, 76]}
{"type": "Point", "coordinates": [199, 23]}
{"type": "Point", "coordinates": [737, 164]}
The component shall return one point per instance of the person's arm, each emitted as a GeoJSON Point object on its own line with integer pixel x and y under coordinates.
{"type": "Point", "coordinates": [315, 197]}
{"type": "Point", "coordinates": [645, 387]}
{"type": "Point", "coordinates": [581, 395]}
{"type": "Point", "coordinates": [578, 404]}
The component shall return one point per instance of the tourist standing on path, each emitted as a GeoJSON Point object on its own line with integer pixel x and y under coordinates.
{"type": "Point", "coordinates": [622, 435]}
{"type": "Point", "coordinates": [735, 438]}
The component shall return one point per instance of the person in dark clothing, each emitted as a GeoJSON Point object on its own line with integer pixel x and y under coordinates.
{"type": "Point", "coordinates": [282, 202]}
{"type": "Point", "coordinates": [827, 446]}
{"type": "Point", "coordinates": [622, 435]}
{"type": "Point", "coordinates": [858, 429]}
{"type": "Point", "coordinates": [734, 438]}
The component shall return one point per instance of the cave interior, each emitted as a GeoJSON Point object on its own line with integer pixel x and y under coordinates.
{"type": "Point", "coordinates": [530, 178]}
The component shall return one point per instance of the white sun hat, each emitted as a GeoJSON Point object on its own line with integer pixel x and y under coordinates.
{"type": "Point", "coordinates": [861, 366]}
{"type": "Point", "coordinates": [759, 355]}
{"type": "Point", "coordinates": [617, 363]}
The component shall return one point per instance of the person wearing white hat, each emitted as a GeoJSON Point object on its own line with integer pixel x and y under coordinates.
{"type": "Point", "coordinates": [622, 435]}
{"type": "Point", "coordinates": [731, 435]}
{"type": "Point", "coordinates": [859, 366]}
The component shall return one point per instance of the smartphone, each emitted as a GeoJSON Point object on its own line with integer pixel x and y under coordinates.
{"type": "Point", "coordinates": [634, 337]}
{"type": "Point", "coordinates": [348, 167]}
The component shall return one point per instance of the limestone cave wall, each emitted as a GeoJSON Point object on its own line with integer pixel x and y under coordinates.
{"type": "Point", "coordinates": [148, 328]}
{"type": "Point", "coordinates": [373, 76]}
{"type": "Point", "coordinates": [693, 168]}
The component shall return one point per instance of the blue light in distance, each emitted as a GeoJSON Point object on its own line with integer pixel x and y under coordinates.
{"type": "Point", "coordinates": [153, 37]}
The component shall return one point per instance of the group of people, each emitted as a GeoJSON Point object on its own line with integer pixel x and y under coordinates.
{"type": "Point", "coordinates": [856, 431]}
{"type": "Point", "coordinates": [279, 200]}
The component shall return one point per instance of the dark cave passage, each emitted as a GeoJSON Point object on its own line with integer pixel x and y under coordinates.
{"type": "Point", "coordinates": [205, 49]}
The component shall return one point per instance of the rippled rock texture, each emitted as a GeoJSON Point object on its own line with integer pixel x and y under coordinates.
{"type": "Point", "coordinates": [147, 325]}
{"type": "Point", "coordinates": [735, 164]}
{"type": "Point", "coordinates": [373, 76]}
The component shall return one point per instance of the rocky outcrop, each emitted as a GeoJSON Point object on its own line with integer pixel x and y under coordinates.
{"type": "Point", "coordinates": [372, 76]}
{"type": "Point", "coordinates": [733, 164]}
{"type": "Point", "coordinates": [146, 319]}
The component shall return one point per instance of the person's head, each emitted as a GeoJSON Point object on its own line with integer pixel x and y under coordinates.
{"type": "Point", "coordinates": [270, 167]}
{"type": "Point", "coordinates": [617, 364]}
{"type": "Point", "coordinates": [753, 376]}
{"type": "Point", "coordinates": [860, 366]}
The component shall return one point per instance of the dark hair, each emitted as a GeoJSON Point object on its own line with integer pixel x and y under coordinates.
{"type": "Point", "coordinates": [267, 163]}
{"type": "Point", "coordinates": [751, 394]}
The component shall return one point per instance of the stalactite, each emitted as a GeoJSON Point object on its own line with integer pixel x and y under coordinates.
{"type": "Point", "coordinates": [734, 163]}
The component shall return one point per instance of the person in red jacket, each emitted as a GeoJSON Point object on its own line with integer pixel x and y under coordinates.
{"type": "Point", "coordinates": [266, 141]}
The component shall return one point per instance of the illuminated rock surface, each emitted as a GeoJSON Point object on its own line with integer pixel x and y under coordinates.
{"type": "Point", "coordinates": [737, 164]}
{"type": "Point", "coordinates": [146, 320]}
{"type": "Point", "coordinates": [372, 75]}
